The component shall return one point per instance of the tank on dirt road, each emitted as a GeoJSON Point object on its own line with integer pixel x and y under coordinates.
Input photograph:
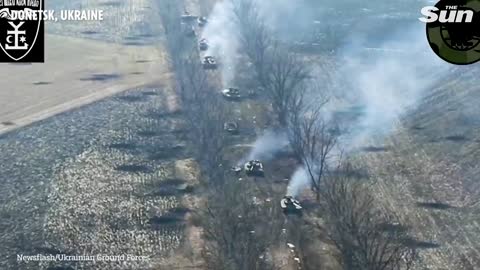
{"type": "Point", "coordinates": [290, 205]}
{"type": "Point", "coordinates": [209, 62]}
{"type": "Point", "coordinates": [254, 168]}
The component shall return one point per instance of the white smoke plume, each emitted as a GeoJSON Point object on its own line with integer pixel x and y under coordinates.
{"type": "Point", "coordinates": [383, 75]}
{"type": "Point", "coordinates": [267, 146]}
{"type": "Point", "coordinates": [221, 31]}
{"type": "Point", "coordinates": [388, 83]}
{"type": "Point", "coordinates": [300, 181]}
{"type": "Point", "coordinates": [385, 83]}
{"type": "Point", "coordinates": [221, 35]}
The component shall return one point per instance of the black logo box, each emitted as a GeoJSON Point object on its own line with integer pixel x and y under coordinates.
{"type": "Point", "coordinates": [36, 54]}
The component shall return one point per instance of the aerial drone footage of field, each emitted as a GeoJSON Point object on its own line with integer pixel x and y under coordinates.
{"type": "Point", "coordinates": [242, 135]}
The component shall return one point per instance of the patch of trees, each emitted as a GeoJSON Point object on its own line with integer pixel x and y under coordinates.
{"type": "Point", "coordinates": [280, 73]}
{"type": "Point", "coordinates": [353, 223]}
{"type": "Point", "coordinates": [202, 107]}
{"type": "Point", "coordinates": [238, 230]}
{"type": "Point", "coordinates": [205, 113]}
{"type": "Point", "coordinates": [365, 237]}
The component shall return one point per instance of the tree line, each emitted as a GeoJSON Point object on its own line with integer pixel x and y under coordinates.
{"type": "Point", "coordinates": [240, 232]}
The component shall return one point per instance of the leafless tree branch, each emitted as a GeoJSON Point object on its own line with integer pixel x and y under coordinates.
{"type": "Point", "coordinates": [365, 238]}
{"type": "Point", "coordinates": [313, 138]}
{"type": "Point", "coordinates": [236, 230]}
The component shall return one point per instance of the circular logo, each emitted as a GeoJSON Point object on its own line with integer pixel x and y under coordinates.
{"type": "Point", "coordinates": [453, 30]}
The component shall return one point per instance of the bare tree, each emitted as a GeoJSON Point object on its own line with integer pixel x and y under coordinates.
{"type": "Point", "coordinates": [279, 72]}
{"type": "Point", "coordinates": [284, 81]}
{"type": "Point", "coordinates": [192, 81]}
{"type": "Point", "coordinates": [205, 113]}
{"type": "Point", "coordinates": [313, 138]}
{"type": "Point", "coordinates": [253, 34]}
{"type": "Point", "coordinates": [236, 230]}
{"type": "Point", "coordinates": [176, 41]}
{"type": "Point", "coordinates": [365, 237]}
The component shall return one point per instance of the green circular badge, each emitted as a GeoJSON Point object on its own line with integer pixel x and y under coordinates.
{"type": "Point", "coordinates": [453, 30]}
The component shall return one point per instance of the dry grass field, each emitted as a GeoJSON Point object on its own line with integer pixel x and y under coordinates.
{"type": "Point", "coordinates": [428, 175]}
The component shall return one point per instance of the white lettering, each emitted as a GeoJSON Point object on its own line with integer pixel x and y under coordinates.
{"type": "Point", "coordinates": [429, 14]}
{"type": "Point", "coordinates": [82, 15]}
{"type": "Point", "coordinates": [443, 16]}
{"type": "Point", "coordinates": [446, 16]}
{"type": "Point", "coordinates": [460, 14]}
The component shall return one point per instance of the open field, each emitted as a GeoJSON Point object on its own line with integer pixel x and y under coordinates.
{"type": "Point", "coordinates": [428, 172]}
{"type": "Point", "coordinates": [76, 72]}
{"type": "Point", "coordinates": [66, 191]}
{"type": "Point", "coordinates": [85, 61]}
{"type": "Point", "coordinates": [106, 178]}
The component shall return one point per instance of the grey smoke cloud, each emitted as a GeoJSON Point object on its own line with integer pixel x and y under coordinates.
{"type": "Point", "coordinates": [386, 65]}
{"type": "Point", "coordinates": [388, 81]}
{"type": "Point", "coordinates": [284, 17]}
{"type": "Point", "coordinates": [385, 82]}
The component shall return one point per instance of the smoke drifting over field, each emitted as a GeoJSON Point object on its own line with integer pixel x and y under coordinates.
{"type": "Point", "coordinates": [388, 81]}
{"type": "Point", "coordinates": [384, 84]}
{"type": "Point", "coordinates": [386, 63]}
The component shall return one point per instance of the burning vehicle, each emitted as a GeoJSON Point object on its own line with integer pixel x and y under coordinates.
{"type": "Point", "coordinates": [231, 93]}
{"type": "Point", "coordinates": [203, 45]}
{"type": "Point", "coordinates": [209, 62]}
{"type": "Point", "coordinates": [231, 127]}
{"type": "Point", "coordinates": [290, 205]}
{"type": "Point", "coordinates": [254, 168]}
{"type": "Point", "coordinates": [202, 21]}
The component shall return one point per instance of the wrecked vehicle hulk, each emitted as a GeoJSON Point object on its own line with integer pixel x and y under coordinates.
{"type": "Point", "coordinates": [231, 127]}
{"type": "Point", "coordinates": [236, 169]}
{"type": "Point", "coordinates": [290, 206]}
{"type": "Point", "coordinates": [209, 62]}
{"type": "Point", "coordinates": [231, 93]}
{"type": "Point", "coordinates": [254, 168]}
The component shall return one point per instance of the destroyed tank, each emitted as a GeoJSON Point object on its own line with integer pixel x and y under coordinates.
{"type": "Point", "coordinates": [231, 127]}
{"type": "Point", "coordinates": [209, 62]}
{"type": "Point", "coordinates": [290, 205]}
{"type": "Point", "coordinates": [236, 169]}
{"type": "Point", "coordinates": [231, 93]}
{"type": "Point", "coordinates": [254, 168]}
